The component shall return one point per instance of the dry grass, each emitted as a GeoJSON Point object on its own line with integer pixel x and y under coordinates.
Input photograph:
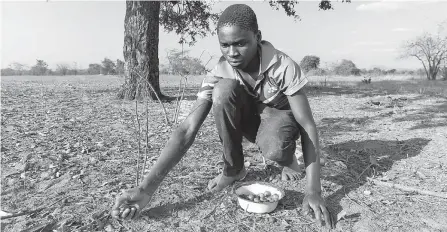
{"type": "Point", "coordinates": [76, 127]}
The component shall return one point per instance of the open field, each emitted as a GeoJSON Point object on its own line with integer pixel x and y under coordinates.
{"type": "Point", "coordinates": [68, 146]}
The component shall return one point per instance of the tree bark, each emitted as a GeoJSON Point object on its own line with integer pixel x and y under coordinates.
{"type": "Point", "coordinates": [141, 37]}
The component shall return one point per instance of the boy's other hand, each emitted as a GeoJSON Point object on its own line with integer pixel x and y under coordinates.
{"type": "Point", "coordinates": [315, 202]}
{"type": "Point", "coordinates": [130, 204]}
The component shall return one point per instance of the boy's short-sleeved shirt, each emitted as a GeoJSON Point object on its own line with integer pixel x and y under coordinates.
{"type": "Point", "coordinates": [279, 77]}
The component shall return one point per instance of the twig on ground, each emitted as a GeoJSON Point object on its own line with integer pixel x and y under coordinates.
{"type": "Point", "coordinates": [147, 139]}
{"type": "Point", "coordinates": [215, 207]}
{"type": "Point", "coordinates": [138, 138]}
{"type": "Point", "coordinates": [363, 204]}
{"type": "Point", "coordinates": [358, 178]}
{"type": "Point", "coordinates": [156, 94]}
{"type": "Point", "coordinates": [406, 188]}
{"type": "Point", "coordinates": [25, 212]}
{"type": "Point", "coordinates": [179, 100]}
{"type": "Point", "coordinates": [177, 103]}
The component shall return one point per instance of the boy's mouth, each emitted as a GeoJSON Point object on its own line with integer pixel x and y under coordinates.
{"type": "Point", "coordinates": [235, 62]}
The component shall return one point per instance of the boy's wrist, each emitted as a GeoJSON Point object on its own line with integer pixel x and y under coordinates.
{"type": "Point", "coordinates": [311, 191]}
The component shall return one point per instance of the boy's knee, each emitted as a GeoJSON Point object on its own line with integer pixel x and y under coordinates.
{"type": "Point", "coordinates": [279, 151]}
{"type": "Point", "coordinates": [224, 90]}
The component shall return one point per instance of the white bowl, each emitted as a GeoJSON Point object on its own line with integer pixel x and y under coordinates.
{"type": "Point", "coordinates": [256, 188]}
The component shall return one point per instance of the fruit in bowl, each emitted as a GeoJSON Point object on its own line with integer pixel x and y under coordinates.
{"type": "Point", "coordinates": [258, 197]}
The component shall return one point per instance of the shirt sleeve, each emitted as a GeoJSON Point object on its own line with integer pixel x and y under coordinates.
{"type": "Point", "coordinates": [293, 78]}
{"type": "Point", "coordinates": [206, 89]}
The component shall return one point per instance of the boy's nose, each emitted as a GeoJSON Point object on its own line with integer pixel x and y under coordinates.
{"type": "Point", "coordinates": [233, 51]}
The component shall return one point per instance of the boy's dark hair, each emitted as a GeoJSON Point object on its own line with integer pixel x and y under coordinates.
{"type": "Point", "coordinates": [239, 15]}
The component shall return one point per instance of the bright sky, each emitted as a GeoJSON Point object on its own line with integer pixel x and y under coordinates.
{"type": "Point", "coordinates": [367, 32]}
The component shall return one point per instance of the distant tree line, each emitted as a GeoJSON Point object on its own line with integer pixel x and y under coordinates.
{"type": "Point", "coordinates": [106, 67]}
{"type": "Point", "coordinates": [311, 66]}
{"type": "Point", "coordinates": [179, 63]}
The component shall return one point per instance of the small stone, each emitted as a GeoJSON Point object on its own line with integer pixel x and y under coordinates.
{"type": "Point", "coordinates": [45, 175]}
{"type": "Point", "coordinates": [58, 174]}
{"type": "Point", "coordinates": [322, 161]}
{"type": "Point", "coordinates": [367, 192]}
{"type": "Point", "coordinates": [278, 177]}
{"type": "Point", "coordinates": [341, 215]}
{"type": "Point", "coordinates": [56, 212]}
{"type": "Point", "coordinates": [109, 228]}
{"type": "Point", "coordinates": [247, 164]}
{"type": "Point", "coordinates": [23, 175]}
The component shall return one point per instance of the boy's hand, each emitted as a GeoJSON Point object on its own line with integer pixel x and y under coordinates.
{"type": "Point", "coordinates": [315, 202]}
{"type": "Point", "coordinates": [130, 203]}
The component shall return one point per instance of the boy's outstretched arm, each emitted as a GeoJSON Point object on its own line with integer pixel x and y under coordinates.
{"type": "Point", "coordinates": [311, 153]}
{"type": "Point", "coordinates": [132, 201]}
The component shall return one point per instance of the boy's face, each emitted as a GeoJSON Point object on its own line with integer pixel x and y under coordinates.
{"type": "Point", "coordinates": [237, 45]}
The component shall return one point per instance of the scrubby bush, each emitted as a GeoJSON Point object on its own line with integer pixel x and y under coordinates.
{"type": "Point", "coordinates": [309, 63]}
{"type": "Point", "coordinates": [346, 68]}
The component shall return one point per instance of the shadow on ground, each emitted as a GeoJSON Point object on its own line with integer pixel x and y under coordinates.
{"type": "Point", "coordinates": [350, 162]}
{"type": "Point", "coordinates": [166, 210]}
{"type": "Point", "coordinates": [379, 88]}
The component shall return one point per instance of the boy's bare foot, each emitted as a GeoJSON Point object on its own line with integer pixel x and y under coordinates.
{"type": "Point", "coordinates": [292, 172]}
{"type": "Point", "coordinates": [221, 181]}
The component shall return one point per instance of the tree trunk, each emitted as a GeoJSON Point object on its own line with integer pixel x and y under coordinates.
{"type": "Point", "coordinates": [432, 72]}
{"type": "Point", "coordinates": [141, 36]}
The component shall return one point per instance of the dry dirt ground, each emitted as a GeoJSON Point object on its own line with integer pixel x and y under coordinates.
{"type": "Point", "coordinates": [68, 146]}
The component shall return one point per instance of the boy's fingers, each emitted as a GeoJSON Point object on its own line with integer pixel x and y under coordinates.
{"type": "Point", "coordinates": [333, 221]}
{"type": "Point", "coordinates": [119, 201]}
{"type": "Point", "coordinates": [115, 213]}
{"type": "Point", "coordinates": [317, 213]}
{"type": "Point", "coordinates": [116, 207]}
{"type": "Point", "coordinates": [306, 208]}
{"type": "Point", "coordinates": [131, 213]}
{"type": "Point", "coordinates": [125, 213]}
{"type": "Point", "coordinates": [327, 216]}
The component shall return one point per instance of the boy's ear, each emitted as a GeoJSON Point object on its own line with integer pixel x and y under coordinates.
{"type": "Point", "coordinates": [259, 36]}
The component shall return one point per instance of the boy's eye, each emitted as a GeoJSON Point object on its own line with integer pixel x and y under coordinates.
{"type": "Point", "coordinates": [224, 45]}
{"type": "Point", "coordinates": [241, 44]}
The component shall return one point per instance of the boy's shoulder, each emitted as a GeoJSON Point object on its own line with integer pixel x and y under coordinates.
{"type": "Point", "coordinates": [274, 58]}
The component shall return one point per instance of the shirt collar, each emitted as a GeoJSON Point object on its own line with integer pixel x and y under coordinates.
{"type": "Point", "coordinates": [268, 56]}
